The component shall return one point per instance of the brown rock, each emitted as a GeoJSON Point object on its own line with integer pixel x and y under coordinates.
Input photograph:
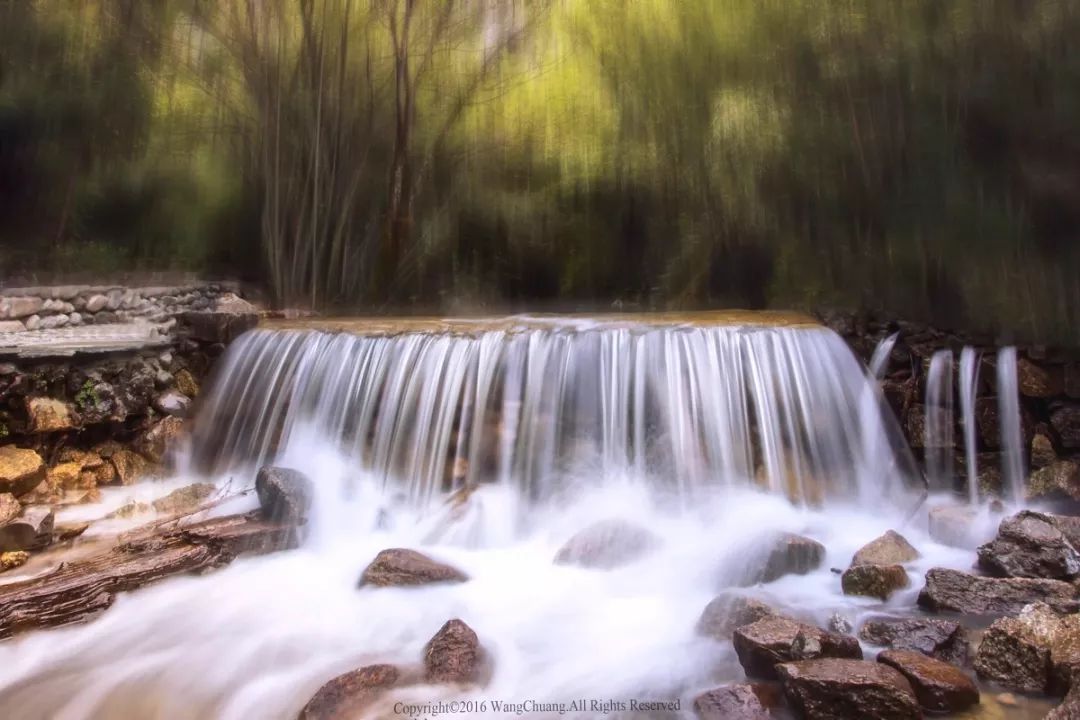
{"type": "Point", "coordinates": [454, 655]}
{"type": "Point", "coordinates": [13, 559]}
{"type": "Point", "coordinates": [879, 581]}
{"type": "Point", "coordinates": [1042, 451]}
{"type": "Point", "coordinates": [130, 510]}
{"type": "Point", "coordinates": [69, 531]}
{"type": "Point", "coordinates": [1059, 479]}
{"type": "Point", "coordinates": [399, 567]}
{"type": "Point", "coordinates": [732, 702]}
{"type": "Point", "coordinates": [1037, 651]}
{"type": "Point", "coordinates": [184, 499]}
{"type": "Point", "coordinates": [1069, 709]}
{"type": "Point", "coordinates": [892, 548]}
{"type": "Point", "coordinates": [130, 467]}
{"type": "Point", "coordinates": [217, 327]}
{"type": "Point", "coordinates": [960, 592]}
{"type": "Point", "coordinates": [607, 544]}
{"type": "Point", "coordinates": [69, 476]}
{"type": "Point", "coordinates": [1039, 381]}
{"type": "Point", "coordinates": [1066, 421]}
{"type": "Point", "coordinates": [9, 508]}
{"type": "Point", "coordinates": [1029, 544]}
{"type": "Point", "coordinates": [46, 415]}
{"type": "Point", "coordinates": [729, 611]}
{"type": "Point", "coordinates": [792, 554]}
{"type": "Point", "coordinates": [85, 459]}
{"type": "Point", "coordinates": [916, 427]}
{"type": "Point", "coordinates": [347, 696]}
{"type": "Point", "coordinates": [762, 645]}
{"type": "Point", "coordinates": [834, 689]}
{"type": "Point", "coordinates": [187, 384]}
{"type": "Point", "coordinates": [20, 470]}
{"type": "Point", "coordinates": [105, 474]}
{"type": "Point", "coordinates": [156, 442]}
{"type": "Point", "coordinates": [30, 531]}
{"type": "Point", "coordinates": [942, 639]}
{"type": "Point", "coordinates": [939, 686]}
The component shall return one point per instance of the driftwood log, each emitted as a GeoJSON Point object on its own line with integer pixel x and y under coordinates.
{"type": "Point", "coordinates": [78, 591]}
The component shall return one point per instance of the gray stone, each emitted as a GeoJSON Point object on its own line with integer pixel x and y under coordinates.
{"type": "Point", "coordinates": [607, 544]}
{"type": "Point", "coordinates": [96, 303]}
{"type": "Point", "coordinates": [21, 307]}
{"type": "Point", "coordinates": [33, 322]}
{"type": "Point", "coordinates": [284, 494]}
{"type": "Point", "coordinates": [1030, 545]}
{"type": "Point", "coordinates": [841, 689]}
{"type": "Point", "coordinates": [172, 402]}
{"type": "Point", "coordinates": [942, 639]}
{"type": "Point", "coordinates": [30, 531]}
{"type": "Point", "coordinates": [952, 590]}
{"type": "Point", "coordinates": [12, 326]}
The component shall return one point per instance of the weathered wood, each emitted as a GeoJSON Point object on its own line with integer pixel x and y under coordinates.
{"type": "Point", "coordinates": [79, 591]}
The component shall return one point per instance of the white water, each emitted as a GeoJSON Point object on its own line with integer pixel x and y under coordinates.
{"type": "Point", "coordinates": [939, 426]}
{"type": "Point", "coordinates": [257, 639]}
{"type": "Point", "coordinates": [879, 361]}
{"type": "Point", "coordinates": [1011, 434]}
{"type": "Point", "coordinates": [969, 384]}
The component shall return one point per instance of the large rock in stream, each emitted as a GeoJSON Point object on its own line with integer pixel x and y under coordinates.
{"type": "Point", "coordinates": [21, 470]}
{"type": "Point", "coordinates": [837, 689]}
{"type": "Point", "coordinates": [606, 545]}
{"type": "Point", "coordinates": [32, 530]}
{"type": "Point", "coordinates": [729, 611]}
{"type": "Point", "coordinates": [892, 548]}
{"type": "Point", "coordinates": [939, 686]}
{"type": "Point", "coordinates": [763, 645]}
{"type": "Point", "coordinates": [952, 590]}
{"type": "Point", "coordinates": [284, 494]}
{"type": "Point", "coordinates": [791, 554]}
{"type": "Point", "coordinates": [347, 696]}
{"type": "Point", "coordinates": [736, 702]}
{"type": "Point", "coordinates": [942, 639]}
{"type": "Point", "coordinates": [1030, 545]}
{"type": "Point", "coordinates": [878, 581]}
{"type": "Point", "coordinates": [454, 655]}
{"type": "Point", "coordinates": [1037, 651]}
{"type": "Point", "coordinates": [400, 567]}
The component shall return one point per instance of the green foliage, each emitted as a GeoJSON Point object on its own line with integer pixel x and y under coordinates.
{"type": "Point", "coordinates": [87, 397]}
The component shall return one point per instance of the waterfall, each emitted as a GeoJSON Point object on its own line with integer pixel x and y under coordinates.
{"type": "Point", "coordinates": [547, 406]}
{"type": "Point", "coordinates": [1011, 434]}
{"type": "Point", "coordinates": [969, 384]}
{"type": "Point", "coordinates": [879, 361]}
{"type": "Point", "coordinates": [938, 438]}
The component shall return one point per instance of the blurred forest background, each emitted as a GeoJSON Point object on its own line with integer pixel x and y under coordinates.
{"type": "Point", "coordinates": [915, 156]}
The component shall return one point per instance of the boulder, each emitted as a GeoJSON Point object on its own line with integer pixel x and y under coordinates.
{"type": "Point", "coordinates": [347, 696]}
{"type": "Point", "coordinates": [217, 327]}
{"type": "Point", "coordinates": [1030, 545]}
{"type": "Point", "coordinates": [284, 494]}
{"type": "Point", "coordinates": [130, 467]}
{"type": "Point", "coordinates": [9, 507]}
{"type": "Point", "coordinates": [729, 611]}
{"type": "Point", "coordinates": [156, 442]}
{"type": "Point", "coordinates": [952, 590]}
{"type": "Point", "coordinates": [1066, 422]}
{"type": "Point", "coordinates": [734, 702]}
{"type": "Point", "coordinates": [69, 531]}
{"type": "Point", "coordinates": [837, 689]}
{"type": "Point", "coordinates": [607, 544]}
{"type": "Point", "coordinates": [942, 639]}
{"type": "Point", "coordinates": [172, 402]}
{"type": "Point", "coordinates": [96, 303]}
{"type": "Point", "coordinates": [892, 548]}
{"type": "Point", "coordinates": [1058, 479]}
{"type": "Point", "coordinates": [1035, 652]}
{"type": "Point", "coordinates": [939, 687]}
{"type": "Point", "coordinates": [454, 655]}
{"type": "Point", "coordinates": [878, 581]}
{"type": "Point", "coordinates": [764, 644]}
{"type": "Point", "coordinates": [1038, 381]}
{"type": "Point", "coordinates": [13, 559]}
{"type": "Point", "coordinates": [187, 384]}
{"type": "Point", "coordinates": [1069, 709]}
{"type": "Point", "coordinates": [185, 499]}
{"type": "Point", "coordinates": [398, 567]}
{"type": "Point", "coordinates": [11, 326]}
{"type": "Point", "coordinates": [1042, 450]}
{"type": "Point", "coordinates": [792, 554]}
{"type": "Point", "coordinates": [45, 415]}
{"type": "Point", "coordinates": [13, 308]}
{"type": "Point", "coordinates": [69, 476]}
{"type": "Point", "coordinates": [953, 525]}
{"type": "Point", "coordinates": [32, 530]}
{"type": "Point", "coordinates": [21, 470]}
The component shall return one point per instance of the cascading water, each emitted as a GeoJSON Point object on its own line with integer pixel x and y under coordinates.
{"type": "Point", "coordinates": [715, 438]}
{"type": "Point", "coordinates": [938, 428]}
{"type": "Point", "coordinates": [969, 383]}
{"type": "Point", "coordinates": [879, 361]}
{"type": "Point", "coordinates": [1011, 434]}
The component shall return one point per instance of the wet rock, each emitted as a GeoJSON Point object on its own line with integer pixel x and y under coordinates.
{"type": "Point", "coordinates": [32, 530]}
{"type": "Point", "coordinates": [729, 611]}
{"type": "Point", "coordinates": [878, 581]}
{"type": "Point", "coordinates": [46, 415]}
{"type": "Point", "coordinates": [284, 494]}
{"type": "Point", "coordinates": [130, 467]}
{"type": "Point", "coordinates": [21, 470]}
{"type": "Point", "coordinates": [762, 645]}
{"type": "Point", "coordinates": [185, 499]}
{"type": "Point", "coordinates": [454, 655]}
{"type": "Point", "coordinates": [399, 567]}
{"type": "Point", "coordinates": [1037, 651]}
{"type": "Point", "coordinates": [1030, 545]}
{"type": "Point", "coordinates": [987, 421]}
{"type": "Point", "coordinates": [347, 696]}
{"type": "Point", "coordinates": [792, 554]}
{"type": "Point", "coordinates": [1042, 451]}
{"type": "Point", "coordinates": [69, 531]}
{"type": "Point", "coordinates": [1066, 422]}
{"type": "Point", "coordinates": [892, 548]}
{"type": "Point", "coordinates": [960, 592]}
{"type": "Point", "coordinates": [840, 623]}
{"type": "Point", "coordinates": [156, 442]}
{"type": "Point", "coordinates": [9, 507]}
{"type": "Point", "coordinates": [217, 327]}
{"type": "Point", "coordinates": [186, 384]}
{"type": "Point", "coordinates": [1069, 709]}
{"type": "Point", "coordinates": [69, 476]}
{"type": "Point", "coordinates": [916, 426]}
{"type": "Point", "coordinates": [607, 544]}
{"type": "Point", "coordinates": [172, 402]}
{"type": "Point", "coordinates": [732, 702]}
{"type": "Point", "coordinates": [1038, 381]}
{"type": "Point", "coordinates": [130, 510]}
{"type": "Point", "coordinates": [942, 639]}
{"type": "Point", "coordinates": [1059, 479]}
{"type": "Point", "coordinates": [939, 686]}
{"type": "Point", "coordinates": [13, 559]}
{"type": "Point", "coordinates": [836, 689]}
{"type": "Point", "coordinates": [953, 525]}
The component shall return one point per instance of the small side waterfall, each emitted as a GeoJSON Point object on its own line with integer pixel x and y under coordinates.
{"type": "Point", "coordinates": [938, 430]}
{"type": "Point", "coordinates": [548, 406]}
{"type": "Point", "coordinates": [1011, 433]}
{"type": "Point", "coordinates": [969, 383]}
{"type": "Point", "coordinates": [879, 361]}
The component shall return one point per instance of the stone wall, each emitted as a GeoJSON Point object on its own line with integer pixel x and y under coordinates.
{"type": "Point", "coordinates": [1049, 386]}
